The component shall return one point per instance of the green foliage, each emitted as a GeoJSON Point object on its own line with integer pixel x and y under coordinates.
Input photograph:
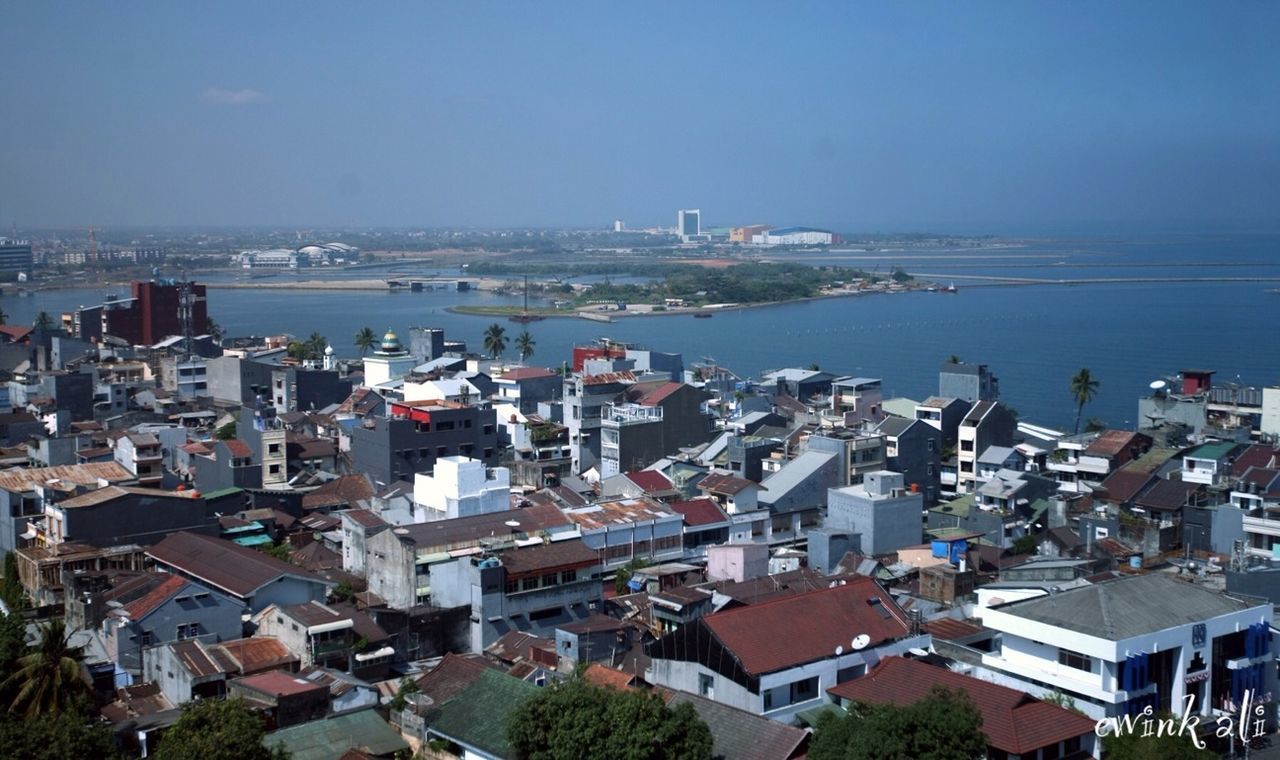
{"type": "Point", "coordinates": [343, 592]}
{"type": "Point", "coordinates": [401, 700]}
{"type": "Point", "coordinates": [281, 551]}
{"type": "Point", "coordinates": [1025, 545]}
{"type": "Point", "coordinates": [1135, 746]}
{"type": "Point", "coordinates": [70, 735]}
{"type": "Point", "coordinates": [943, 726]}
{"type": "Point", "coordinates": [211, 729]}
{"type": "Point", "coordinates": [48, 680]}
{"type": "Point", "coordinates": [1095, 425]}
{"type": "Point", "coordinates": [574, 719]}
{"type": "Point", "coordinates": [495, 340]}
{"type": "Point", "coordinates": [215, 330]}
{"type": "Point", "coordinates": [225, 432]}
{"type": "Point", "coordinates": [901, 276]}
{"type": "Point", "coordinates": [13, 641]}
{"type": "Point", "coordinates": [365, 340]}
{"type": "Point", "coordinates": [624, 574]}
{"type": "Point", "coordinates": [524, 345]}
{"type": "Point", "coordinates": [1060, 699]}
{"type": "Point", "coordinates": [43, 321]}
{"type": "Point", "coordinates": [11, 586]}
{"type": "Point", "coordinates": [1084, 386]}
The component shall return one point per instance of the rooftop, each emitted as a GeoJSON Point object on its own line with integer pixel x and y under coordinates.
{"type": "Point", "coordinates": [1133, 606]}
{"type": "Point", "coordinates": [699, 512]}
{"type": "Point", "coordinates": [650, 481]}
{"type": "Point", "coordinates": [469, 530]}
{"type": "Point", "coordinates": [21, 479]}
{"type": "Point", "coordinates": [278, 683]}
{"type": "Point", "coordinates": [725, 483]}
{"type": "Point", "coordinates": [535, 559]}
{"type": "Point", "coordinates": [765, 637]}
{"type": "Point", "coordinates": [1111, 442]}
{"type": "Point", "coordinates": [476, 716]}
{"type": "Point", "coordinates": [325, 739]}
{"type": "Point", "coordinates": [224, 564]}
{"type": "Point", "coordinates": [738, 733]}
{"type": "Point", "coordinates": [1013, 721]}
{"type": "Point", "coordinates": [1216, 450]}
{"type": "Point", "coordinates": [615, 512]}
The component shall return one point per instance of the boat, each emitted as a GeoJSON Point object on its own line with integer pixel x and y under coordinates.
{"type": "Point", "coordinates": [525, 317]}
{"type": "Point", "coordinates": [950, 288]}
{"type": "Point", "coordinates": [702, 315]}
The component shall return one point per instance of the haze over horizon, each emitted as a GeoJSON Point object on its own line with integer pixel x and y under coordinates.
{"type": "Point", "coordinates": [974, 117]}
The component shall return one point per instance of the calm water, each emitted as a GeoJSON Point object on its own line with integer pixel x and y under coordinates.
{"type": "Point", "coordinates": [1035, 338]}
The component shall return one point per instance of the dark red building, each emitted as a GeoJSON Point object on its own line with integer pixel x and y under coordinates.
{"type": "Point", "coordinates": [154, 313]}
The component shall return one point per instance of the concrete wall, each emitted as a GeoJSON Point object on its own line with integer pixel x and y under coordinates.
{"type": "Point", "coordinates": [134, 518]}
{"type": "Point", "coordinates": [884, 523]}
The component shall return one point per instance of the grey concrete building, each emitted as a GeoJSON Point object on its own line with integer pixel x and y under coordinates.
{"type": "Point", "coordinates": [302, 390]}
{"type": "Point", "coordinates": [251, 576]}
{"type": "Point", "coordinates": [118, 515]}
{"type": "Point", "coordinates": [416, 434]}
{"type": "Point", "coordinates": [233, 380]}
{"type": "Point", "coordinates": [914, 449]}
{"type": "Point", "coordinates": [24, 493]}
{"type": "Point", "coordinates": [885, 515]}
{"type": "Point", "coordinates": [176, 610]}
{"type": "Point", "coordinates": [585, 397]}
{"type": "Point", "coordinates": [650, 424]}
{"type": "Point", "coordinates": [968, 382]}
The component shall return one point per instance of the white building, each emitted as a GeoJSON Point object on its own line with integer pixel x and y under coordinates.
{"type": "Point", "coordinates": [794, 236]}
{"type": "Point", "coordinates": [1117, 647]}
{"type": "Point", "coordinates": [461, 487]}
{"type": "Point", "coordinates": [688, 223]}
{"type": "Point", "coordinates": [389, 362]}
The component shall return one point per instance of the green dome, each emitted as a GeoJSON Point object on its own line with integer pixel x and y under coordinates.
{"type": "Point", "coordinates": [390, 343]}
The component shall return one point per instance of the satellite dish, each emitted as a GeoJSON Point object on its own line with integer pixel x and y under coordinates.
{"type": "Point", "coordinates": [860, 642]}
{"type": "Point", "coordinates": [839, 650]}
{"type": "Point", "coordinates": [1158, 385]}
{"type": "Point", "coordinates": [512, 523]}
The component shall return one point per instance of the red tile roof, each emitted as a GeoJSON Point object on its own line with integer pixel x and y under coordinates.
{"type": "Point", "coordinates": [347, 490]}
{"type": "Point", "coordinates": [657, 395]}
{"type": "Point", "coordinates": [1257, 455]}
{"type": "Point", "coordinates": [950, 629]}
{"type": "Point", "coordinates": [650, 481]}
{"type": "Point", "coordinates": [452, 676]}
{"type": "Point", "coordinates": [15, 333]}
{"type": "Point", "coordinates": [278, 683]}
{"type": "Point", "coordinates": [771, 635]}
{"type": "Point", "coordinates": [1122, 485]}
{"type": "Point", "coordinates": [702, 511]}
{"type": "Point", "coordinates": [1111, 442]}
{"type": "Point", "coordinates": [146, 604]}
{"type": "Point", "coordinates": [238, 448]}
{"type": "Point", "coordinates": [1013, 721]}
{"type": "Point", "coordinates": [607, 677]}
{"type": "Point", "coordinates": [258, 653]}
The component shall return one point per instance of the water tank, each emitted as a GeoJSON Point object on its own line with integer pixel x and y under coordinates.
{"type": "Point", "coordinates": [1135, 562]}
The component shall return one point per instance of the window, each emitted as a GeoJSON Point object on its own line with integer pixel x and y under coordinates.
{"type": "Point", "coordinates": [442, 451]}
{"type": "Point", "coordinates": [929, 470]}
{"type": "Point", "coordinates": [568, 576]}
{"type": "Point", "coordinates": [147, 639]}
{"type": "Point", "coordinates": [188, 630]}
{"type": "Point", "coordinates": [528, 584]}
{"type": "Point", "coordinates": [273, 448]}
{"type": "Point", "coordinates": [549, 612]}
{"type": "Point", "coordinates": [1075, 660]}
{"type": "Point", "coordinates": [274, 469]}
{"type": "Point", "coordinates": [933, 446]}
{"type": "Point", "coordinates": [466, 424]}
{"type": "Point", "coordinates": [549, 580]}
{"type": "Point", "coordinates": [706, 685]}
{"type": "Point", "coordinates": [804, 690]}
{"type": "Point", "coordinates": [488, 429]}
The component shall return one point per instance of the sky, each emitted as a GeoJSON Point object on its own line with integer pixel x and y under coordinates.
{"type": "Point", "coordinates": [856, 116]}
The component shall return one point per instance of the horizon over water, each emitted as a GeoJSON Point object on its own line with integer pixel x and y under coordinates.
{"type": "Point", "coordinates": [1034, 338]}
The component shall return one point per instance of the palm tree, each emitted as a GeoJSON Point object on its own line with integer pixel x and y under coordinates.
{"type": "Point", "coordinates": [525, 344]}
{"type": "Point", "coordinates": [49, 680]}
{"type": "Point", "coordinates": [953, 359]}
{"type": "Point", "coordinates": [495, 340]}
{"type": "Point", "coordinates": [1084, 386]}
{"type": "Point", "coordinates": [365, 340]}
{"type": "Point", "coordinates": [316, 345]}
{"type": "Point", "coordinates": [44, 321]}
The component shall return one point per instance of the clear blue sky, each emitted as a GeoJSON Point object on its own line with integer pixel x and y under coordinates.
{"type": "Point", "coordinates": [854, 115]}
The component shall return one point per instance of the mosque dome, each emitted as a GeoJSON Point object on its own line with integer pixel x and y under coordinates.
{"type": "Point", "coordinates": [328, 350]}
{"type": "Point", "coordinates": [390, 343]}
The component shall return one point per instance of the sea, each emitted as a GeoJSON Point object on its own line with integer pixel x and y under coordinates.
{"type": "Point", "coordinates": [1034, 337]}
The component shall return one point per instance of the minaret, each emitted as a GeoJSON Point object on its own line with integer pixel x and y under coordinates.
{"type": "Point", "coordinates": [328, 357]}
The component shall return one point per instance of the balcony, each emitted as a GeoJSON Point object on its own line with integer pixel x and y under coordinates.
{"type": "Point", "coordinates": [631, 414]}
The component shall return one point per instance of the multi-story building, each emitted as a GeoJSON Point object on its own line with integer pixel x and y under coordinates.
{"type": "Point", "coordinates": [944, 414]}
{"type": "Point", "coordinates": [884, 513]}
{"type": "Point", "coordinates": [153, 312]}
{"type": "Point", "coordinates": [176, 610]}
{"type": "Point", "coordinates": [462, 487]}
{"type": "Point", "coordinates": [533, 589]}
{"type": "Point", "coordinates": [636, 433]}
{"type": "Point", "coordinates": [855, 400]}
{"type": "Point", "coordinates": [294, 389]}
{"type": "Point", "coordinates": [141, 455]}
{"type": "Point", "coordinates": [627, 529]}
{"type": "Point", "coordinates": [186, 376]}
{"type": "Point", "coordinates": [254, 577]}
{"type": "Point", "coordinates": [15, 255]}
{"type": "Point", "coordinates": [1142, 641]}
{"type": "Point", "coordinates": [914, 448]}
{"type": "Point", "coordinates": [987, 424]}
{"type": "Point", "coordinates": [389, 362]}
{"type": "Point", "coordinates": [968, 382]}
{"type": "Point", "coordinates": [688, 223]}
{"type": "Point", "coordinates": [526, 387]}
{"type": "Point", "coordinates": [585, 397]}
{"type": "Point", "coordinates": [858, 453]}
{"type": "Point", "coordinates": [416, 434]}
{"type": "Point", "coordinates": [24, 494]}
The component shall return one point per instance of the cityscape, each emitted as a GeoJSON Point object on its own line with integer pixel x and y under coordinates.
{"type": "Point", "coordinates": [510, 440]}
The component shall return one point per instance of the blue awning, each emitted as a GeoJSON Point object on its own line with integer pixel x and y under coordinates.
{"type": "Point", "coordinates": [635, 584]}
{"type": "Point", "coordinates": [253, 540]}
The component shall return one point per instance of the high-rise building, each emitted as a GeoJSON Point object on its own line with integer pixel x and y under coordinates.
{"type": "Point", "coordinates": [619, 225]}
{"type": "Point", "coordinates": [153, 312]}
{"type": "Point", "coordinates": [15, 255]}
{"type": "Point", "coordinates": [688, 223]}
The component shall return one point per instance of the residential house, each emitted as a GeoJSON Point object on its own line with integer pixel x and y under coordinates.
{"type": "Point", "coordinates": [987, 424]}
{"type": "Point", "coordinates": [585, 396]}
{"type": "Point", "coordinates": [188, 670]}
{"type": "Point", "coordinates": [857, 400]}
{"type": "Point", "coordinates": [881, 511]}
{"type": "Point", "coordinates": [176, 610]}
{"type": "Point", "coordinates": [705, 525]}
{"type": "Point", "coordinates": [795, 495]}
{"type": "Point", "coordinates": [526, 387]}
{"type": "Point", "coordinates": [778, 657]}
{"type": "Point", "coordinates": [734, 494]}
{"type": "Point", "coordinates": [25, 491]}
{"type": "Point", "coordinates": [462, 487]}
{"type": "Point", "coordinates": [253, 577]}
{"type": "Point", "coordinates": [627, 529]}
{"type": "Point", "coordinates": [650, 423]}
{"type": "Point", "coordinates": [398, 561]}
{"type": "Point", "coordinates": [283, 699]}
{"type": "Point", "coordinates": [914, 449]}
{"type": "Point", "coordinates": [533, 589]}
{"type": "Point", "coordinates": [416, 434]}
{"type": "Point", "coordinates": [1210, 463]}
{"type": "Point", "coordinates": [117, 515]}
{"type": "Point", "coordinates": [359, 734]}
{"type": "Point", "coordinates": [968, 382]}
{"type": "Point", "coordinates": [320, 635]}
{"type": "Point", "coordinates": [944, 413]}
{"type": "Point", "coordinates": [739, 733]}
{"type": "Point", "coordinates": [457, 691]}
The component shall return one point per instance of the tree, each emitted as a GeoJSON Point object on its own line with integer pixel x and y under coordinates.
{"type": "Point", "coordinates": [1084, 386]}
{"type": "Point", "coordinates": [1095, 425]}
{"type": "Point", "coordinates": [11, 590]}
{"type": "Point", "coordinates": [72, 734]}
{"type": "Point", "coordinates": [575, 719]}
{"type": "Point", "coordinates": [316, 345]}
{"type": "Point", "coordinates": [225, 432]}
{"type": "Point", "coordinates": [1025, 544]}
{"type": "Point", "coordinates": [943, 726]}
{"type": "Point", "coordinates": [525, 344]}
{"type": "Point", "coordinates": [624, 574]}
{"type": "Point", "coordinates": [13, 641]}
{"type": "Point", "coordinates": [214, 729]}
{"type": "Point", "coordinates": [215, 330]}
{"type": "Point", "coordinates": [281, 551]}
{"type": "Point", "coordinates": [953, 359]}
{"type": "Point", "coordinates": [407, 688]}
{"type": "Point", "coordinates": [365, 340]}
{"type": "Point", "coordinates": [43, 321]}
{"type": "Point", "coordinates": [48, 679]}
{"type": "Point", "coordinates": [495, 340]}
